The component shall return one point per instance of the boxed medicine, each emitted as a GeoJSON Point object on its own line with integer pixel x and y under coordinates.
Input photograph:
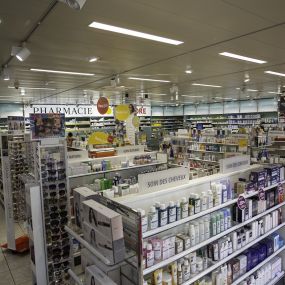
{"type": "Point", "coordinates": [113, 250]}
{"type": "Point", "coordinates": [80, 195]}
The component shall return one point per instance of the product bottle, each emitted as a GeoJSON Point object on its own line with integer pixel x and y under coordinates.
{"type": "Point", "coordinates": [197, 203]}
{"type": "Point", "coordinates": [213, 225]}
{"type": "Point", "coordinates": [229, 275]}
{"type": "Point", "coordinates": [192, 235]}
{"type": "Point", "coordinates": [191, 206]}
{"type": "Point", "coordinates": [157, 206]}
{"type": "Point", "coordinates": [225, 212]}
{"type": "Point", "coordinates": [210, 199]}
{"type": "Point", "coordinates": [215, 251]}
{"type": "Point", "coordinates": [149, 255]}
{"type": "Point", "coordinates": [178, 211]}
{"type": "Point", "coordinates": [204, 202]}
{"type": "Point", "coordinates": [173, 272]}
{"type": "Point", "coordinates": [222, 221]}
{"type": "Point", "coordinates": [224, 194]}
{"type": "Point", "coordinates": [152, 218]}
{"type": "Point", "coordinates": [144, 222]}
{"type": "Point", "coordinates": [171, 212]}
{"type": "Point", "coordinates": [201, 230]}
{"type": "Point", "coordinates": [197, 232]}
{"type": "Point", "coordinates": [230, 246]}
{"type": "Point", "coordinates": [219, 194]}
{"type": "Point", "coordinates": [218, 221]}
{"type": "Point", "coordinates": [186, 270]}
{"type": "Point", "coordinates": [184, 208]}
{"type": "Point", "coordinates": [162, 216]}
{"type": "Point", "coordinates": [229, 215]}
{"type": "Point", "coordinates": [207, 227]}
{"type": "Point", "coordinates": [193, 264]}
{"type": "Point", "coordinates": [156, 245]}
{"type": "Point", "coordinates": [179, 274]}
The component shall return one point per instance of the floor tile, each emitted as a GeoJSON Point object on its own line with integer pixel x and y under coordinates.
{"type": "Point", "coordinates": [16, 260]}
{"type": "Point", "coordinates": [6, 279]}
{"type": "Point", "coordinates": [22, 274]}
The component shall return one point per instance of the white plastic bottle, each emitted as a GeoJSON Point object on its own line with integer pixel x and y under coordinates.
{"type": "Point", "coordinates": [179, 274]}
{"type": "Point", "coordinates": [186, 270]}
{"type": "Point", "coordinates": [201, 230]}
{"type": "Point", "coordinates": [192, 235]}
{"type": "Point", "coordinates": [149, 255]}
{"type": "Point", "coordinates": [207, 227]}
{"type": "Point", "coordinates": [204, 202]}
{"type": "Point", "coordinates": [144, 223]}
{"type": "Point", "coordinates": [184, 208]}
{"type": "Point", "coordinates": [153, 218]}
{"type": "Point", "coordinates": [210, 199]}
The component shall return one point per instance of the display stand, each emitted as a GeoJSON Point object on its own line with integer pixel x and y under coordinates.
{"type": "Point", "coordinates": [14, 161]}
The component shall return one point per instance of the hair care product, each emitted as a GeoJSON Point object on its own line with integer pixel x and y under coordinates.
{"type": "Point", "coordinates": [162, 216]}
{"type": "Point", "coordinates": [157, 277]}
{"type": "Point", "coordinates": [171, 212]}
{"type": "Point", "coordinates": [149, 255]}
{"type": "Point", "coordinates": [184, 208]}
{"type": "Point", "coordinates": [152, 218]}
{"type": "Point", "coordinates": [144, 223]}
{"type": "Point", "coordinates": [178, 211]}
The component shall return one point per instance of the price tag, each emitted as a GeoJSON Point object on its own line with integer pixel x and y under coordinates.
{"type": "Point", "coordinates": [241, 203]}
{"type": "Point", "coordinates": [261, 194]}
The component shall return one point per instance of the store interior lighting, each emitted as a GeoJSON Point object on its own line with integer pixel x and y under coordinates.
{"type": "Point", "coordinates": [21, 53]}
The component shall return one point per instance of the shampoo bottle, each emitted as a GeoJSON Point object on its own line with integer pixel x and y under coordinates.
{"type": "Point", "coordinates": [162, 216]}
{"type": "Point", "coordinates": [149, 255]}
{"type": "Point", "coordinates": [171, 212]}
{"type": "Point", "coordinates": [152, 218]}
{"type": "Point", "coordinates": [178, 211]}
{"type": "Point", "coordinates": [184, 208]}
{"type": "Point", "coordinates": [179, 274]}
{"type": "Point", "coordinates": [210, 199]}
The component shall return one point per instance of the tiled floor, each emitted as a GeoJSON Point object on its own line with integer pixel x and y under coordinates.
{"type": "Point", "coordinates": [14, 268]}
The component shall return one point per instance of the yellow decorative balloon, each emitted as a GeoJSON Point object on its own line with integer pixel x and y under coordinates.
{"type": "Point", "coordinates": [136, 122]}
{"type": "Point", "coordinates": [122, 112]}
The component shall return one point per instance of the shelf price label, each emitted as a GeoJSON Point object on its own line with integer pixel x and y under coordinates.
{"type": "Point", "coordinates": [261, 194]}
{"type": "Point", "coordinates": [241, 202]}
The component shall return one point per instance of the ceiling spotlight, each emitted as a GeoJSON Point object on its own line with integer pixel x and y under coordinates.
{"type": "Point", "coordinates": [23, 92]}
{"type": "Point", "coordinates": [246, 78]}
{"type": "Point", "coordinates": [74, 4]}
{"type": "Point", "coordinates": [21, 53]}
{"type": "Point", "coordinates": [5, 74]}
{"type": "Point", "coordinates": [176, 96]}
{"type": "Point", "coordinates": [188, 69]}
{"type": "Point", "coordinates": [93, 59]}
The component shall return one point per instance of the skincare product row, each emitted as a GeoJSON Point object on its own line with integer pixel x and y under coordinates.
{"type": "Point", "coordinates": [161, 214]}
{"type": "Point", "coordinates": [248, 260]}
{"type": "Point", "coordinates": [266, 273]}
{"type": "Point", "coordinates": [157, 249]}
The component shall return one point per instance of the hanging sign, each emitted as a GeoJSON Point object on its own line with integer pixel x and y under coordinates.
{"type": "Point", "coordinates": [103, 105]}
{"type": "Point", "coordinates": [98, 138]}
{"type": "Point", "coordinates": [122, 112]}
{"type": "Point", "coordinates": [241, 203]}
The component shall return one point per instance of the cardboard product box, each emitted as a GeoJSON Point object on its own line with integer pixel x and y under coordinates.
{"type": "Point", "coordinates": [273, 170]}
{"type": "Point", "coordinates": [254, 257]}
{"type": "Point", "coordinates": [270, 198]}
{"type": "Point", "coordinates": [186, 241]}
{"type": "Point", "coordinates": [248, 258]}
{"type": "Point", "coordinates": [80, 195]}
{"type": "Point", "coordinates": [258, 175]}
{"type": "Point", "coordinates": [164, 248]}
{"type": "Point", "coordinates": [235, 267]}
{"type": "Point", "coordinates": [113, 272]}
{"type": "Point", "coordinates": [276, 266]}
{"type": "Point", "coordinates": [94, 276]}
{"type": "Point", "coordinates": [275, 239]}
{"type": "Point", "coordinates": [104, 220]}
{"type": "Point", "coordinates": [242, 264]}
{"type": "Point", "coordinates": [113, 250]}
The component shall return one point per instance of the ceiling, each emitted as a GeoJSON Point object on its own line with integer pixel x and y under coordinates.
{"type": "Point", "coordinates": [63, 41]}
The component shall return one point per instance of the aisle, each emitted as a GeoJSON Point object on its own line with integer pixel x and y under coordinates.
{"type": "Point", "coordinates": [14, 268]}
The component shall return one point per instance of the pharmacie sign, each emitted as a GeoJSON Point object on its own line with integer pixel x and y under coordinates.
{"type": "Point", "coordinates": [77, 110]}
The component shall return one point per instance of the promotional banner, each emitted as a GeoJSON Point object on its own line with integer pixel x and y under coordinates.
{"type": "Point", "coordinates": [98, 138]}
{"type": "Point", "coordinates": [122, 112]}
{"type": "Point", "coordinates": [16, 125]}
{"type": "Point", "coordinates": [47, 126]}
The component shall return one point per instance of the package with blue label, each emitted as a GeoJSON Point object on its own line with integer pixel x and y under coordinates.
{"type": "Point", "coordinates": [256, 176]}
{"type": "Point", "coordinates": [80, 195]}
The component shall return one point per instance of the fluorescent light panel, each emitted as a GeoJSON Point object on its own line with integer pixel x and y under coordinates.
{"type": "Point", "coordinates": [32, 88]}
{"type": "Point", "coordinates": [61, 72]}
{"type": "Point", "coordinates": [252, 90]}
{"type": "Point", "coordinates": [148, 79]}
{"type": "Point", "coordinates": [206, 85]}
{"type": "Point", "coordinates": [193, 96]}
{"type": "Point", "coordinates": [93, 59]}
{"type": "Point", "coordinates": [133, 33]}
{"type": "Point", "coordinates": [274, 73]}
{"type": "Point", "coordinates": [241, 57]}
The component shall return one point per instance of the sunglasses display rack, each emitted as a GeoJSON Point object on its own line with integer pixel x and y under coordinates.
{"type": "Point", "coordinates": [13, 163]}
{"type": "Point", "coordinates": [51, 165]}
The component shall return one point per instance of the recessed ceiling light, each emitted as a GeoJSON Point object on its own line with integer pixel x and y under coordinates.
{"type": "Point", "coordinates": [192, 96]}
{"type": "Point", "coordinates": [237, 88]}
{"type": "Point", "coordinates": [241, 57]}
{"type": "Point", "coordinates": [206, 85]}
{"type": "Point", "coordinates": [274, 73]}
{"type": "Point", "coordinates": [32, 88]}
{"type": "Point", "coordinates": [271, 92]}
{"type": "Point", "coordinates": [6, 74]}
{"type": "Point", "coordinates": [188, 69]}
{"type": "Point", "coordinates": [252, 90]}
{"type": "Point", "coordinates": [23, 92]}
{"type": "Point", "coordinates": [133, 33]}
{"type": "Point", "coordinates": [93, 59]}
{"type": "Point", "coordinates": [61, 72]}
{"type": "Point", "coordinates": [148, 79]}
